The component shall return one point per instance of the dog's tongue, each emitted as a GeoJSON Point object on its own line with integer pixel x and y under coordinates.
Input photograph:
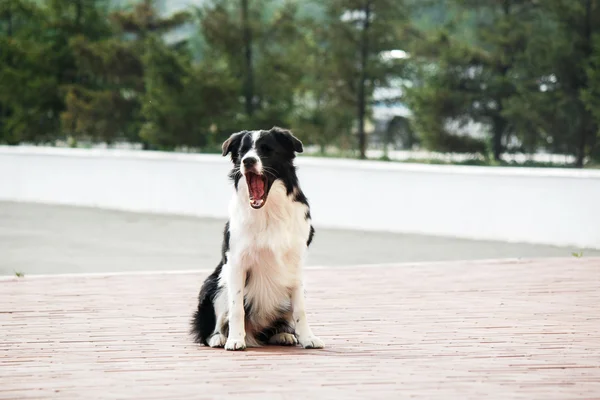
{"type": "Point", "coordinates": [256, 187]}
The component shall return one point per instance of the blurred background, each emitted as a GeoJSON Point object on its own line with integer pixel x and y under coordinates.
{"type": "Point", "coordinates": [457, 81]}
{"type": "Point", "coordinates": [502, 83]}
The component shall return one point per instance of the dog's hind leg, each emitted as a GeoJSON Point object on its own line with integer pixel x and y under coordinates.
{"type": "Point", "coordinates": [203, 322]}
{"type": "Point", "coordinates": [221, 329]}
{"type": "Point", "coordinates": [281, 332]}
{"type": "Point", "coordinates": [204, 319]}
{"type": "Point", "coordinates": [283, 339]}
{"type": "Point", "coordinates": [210, 317]}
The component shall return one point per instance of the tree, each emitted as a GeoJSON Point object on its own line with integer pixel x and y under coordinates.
{"type": "Point", "coordinates": [359, 34]}
{"type": "Point", "coordinates": [323, 115]}
{"type": "Point", "coordinates": [107, 104]}
{"type": "Point", "coordinates": [31, 72]}
{"type": "Point", "coordinates": [528, 75]}
{"type": "Point", "coordinates": [447, 89]}
{"type": "Point", "coordinates": [591, 97]}
{"type": "Point", "coordinates": [570, 59]}
{"type": "Point", "coordinates": [29, 96]}
{"type": "Point", "coordinates": [183, 103]}
{"type": "Point", "coordinates": [474, 81]}
{"type": "Point", "coordinates": [104, 106]}
{"type": "Point", "coordinates": [271, 60]}
{"type": "Point", "coordinates": [248, 67]}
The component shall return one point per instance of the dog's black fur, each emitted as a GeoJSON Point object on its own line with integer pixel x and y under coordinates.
{"type": "Point", "coordinates": [276, 149]}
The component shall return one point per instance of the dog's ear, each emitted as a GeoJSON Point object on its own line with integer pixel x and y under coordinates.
{"type": "Point", "coordinates": [233, 141]}
{"type": "Point", "coordinates": [288, 138]}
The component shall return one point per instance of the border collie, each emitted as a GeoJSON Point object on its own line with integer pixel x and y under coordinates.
{"type": "Point", "coordinates": [255, 296]}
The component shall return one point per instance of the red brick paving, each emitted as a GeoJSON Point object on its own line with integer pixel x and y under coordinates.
{"type": "Point", "coordinates": [497, 329]}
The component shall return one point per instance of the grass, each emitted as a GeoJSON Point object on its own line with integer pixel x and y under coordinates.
{"type": "Point", "coordinates": [19, 274]}
{"type": "Point", "coordinates": [577, 255]}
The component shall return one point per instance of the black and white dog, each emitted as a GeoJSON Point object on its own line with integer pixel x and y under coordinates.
{"type": "Point", "coordinates": [255, 296]}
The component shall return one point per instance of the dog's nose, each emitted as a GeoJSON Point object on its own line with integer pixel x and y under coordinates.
{"type": "Point", "coordinates": [250, 162]}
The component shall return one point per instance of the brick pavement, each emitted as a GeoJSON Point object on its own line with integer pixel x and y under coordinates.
{"type": "Point", "coordinates": [525, 329]}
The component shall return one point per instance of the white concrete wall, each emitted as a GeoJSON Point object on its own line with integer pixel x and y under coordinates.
{"type": "Point", "coordinates": [545, 206]}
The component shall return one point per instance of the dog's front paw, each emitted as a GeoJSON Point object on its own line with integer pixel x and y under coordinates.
{"type": "Point", "coordinates": [217, 340]}
{"type": "Point", "coordinates": [283, 339]}
{"type": "Point", "coordinates": [311, 342]}
{"type": "Point", "coordinates": [235, 344]}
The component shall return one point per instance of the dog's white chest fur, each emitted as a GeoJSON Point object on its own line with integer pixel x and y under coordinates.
{"type": "Point", "coordinates": [270, 244]}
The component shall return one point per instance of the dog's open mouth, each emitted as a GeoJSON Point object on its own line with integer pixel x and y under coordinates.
{"type": "Point", "coordinates": [257, 189]}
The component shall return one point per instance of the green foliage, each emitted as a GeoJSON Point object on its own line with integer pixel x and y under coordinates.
{"type": "Point", "coordinates": [324, 110]}
{"type": "Point", "coordinates": [526, 72]}
{"type": "Point", "coordinates": [25, 115]}
{"type": "Point", "coordinates": [262, 54]}
{"type": "Point", "coordinates": [475, 81]}
{"type": "Point", "coordinates": [175, 106]}
{"type": "Point", "coordinates": [563, 50]}
{"type": "Point", "coordinates": [447, 92]}
{"type": "Point", "coordinates": [143, 19]}
{"type": "Point", "coordinates": [98, 115]}
{"type": "Point", "coordinates": [108, 104]}
{"type": "Point", "coordinates": [591, 98]}
{"type": "Point", "coordinates": [37, 63]}
{"type": "Point", "coordinates": [357, 36]}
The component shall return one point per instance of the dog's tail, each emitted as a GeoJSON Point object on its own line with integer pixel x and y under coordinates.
{"type": "Point", "coordinates": [204, 319]}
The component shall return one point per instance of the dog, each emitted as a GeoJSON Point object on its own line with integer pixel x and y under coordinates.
{"type": "Point", "coordinates": [255, 296]}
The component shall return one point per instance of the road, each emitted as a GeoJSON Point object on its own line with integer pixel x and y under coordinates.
{"type": "Point", "coordinates": [48, 239]}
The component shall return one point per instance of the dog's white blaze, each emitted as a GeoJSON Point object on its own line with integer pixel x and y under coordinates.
{"type": "Point", "coordinates": [252, 153]}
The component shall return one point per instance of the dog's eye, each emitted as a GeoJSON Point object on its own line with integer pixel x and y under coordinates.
{"type": "Point", "coordinates": [265, 148]}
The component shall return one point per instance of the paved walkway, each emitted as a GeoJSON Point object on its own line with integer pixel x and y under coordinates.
{"type": "Point", "coordinates": [458, 330]}
{"type": "Point", "coordinates": [42, 239]}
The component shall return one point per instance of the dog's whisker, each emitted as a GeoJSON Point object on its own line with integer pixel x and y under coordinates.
{"type": "Point", "coordinates": [270, 170]}
{"type": "Point", "coordinates": [270, 173]}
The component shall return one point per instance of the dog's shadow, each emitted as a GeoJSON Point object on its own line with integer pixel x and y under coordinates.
{"type": "Point", "coordinates": [275, 349]}
{"type": "Point", "coordinates": [271, 350]}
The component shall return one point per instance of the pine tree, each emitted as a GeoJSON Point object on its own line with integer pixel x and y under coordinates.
{"type": "Point", "coordinates": [473, 81]}
{"type": "Point", "coordinates": [258, 41]}
{"type": "Point", "coordinates": [107, 104]}
{"type": "Point", "coordinates": [37, 63]}
{"type": "Point", "coordinates": [359, 33]}
{"type": "Point", "coordinates": [591, 97]}
{"type": "Point", "coordinates": [570, 59]}
{"type": "Point", "coordinates": [20, 73]}
{"type": "Point", "coordinates": [144, 20]}
{"type": "Point", "coordinates": [183, 104]}
{"type": "Point", "coordinates": [323, 114]}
